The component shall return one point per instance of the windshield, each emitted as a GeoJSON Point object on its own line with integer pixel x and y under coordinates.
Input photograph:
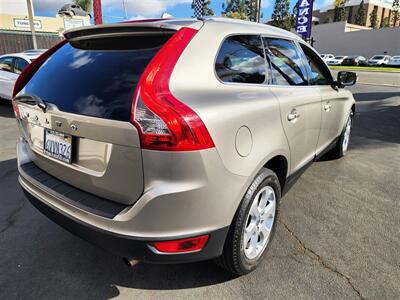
{"type": "Point", "coordinates": [339, 57]}
{"type": "Point", "coordinates": [378, 57]}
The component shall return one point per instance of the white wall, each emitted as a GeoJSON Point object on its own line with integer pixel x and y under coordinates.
{"type": "Point", "coordinates": [332, 38]}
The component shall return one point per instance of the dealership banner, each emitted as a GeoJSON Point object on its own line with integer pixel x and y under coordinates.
{"type": "Point", "coordinates": [304, 17]}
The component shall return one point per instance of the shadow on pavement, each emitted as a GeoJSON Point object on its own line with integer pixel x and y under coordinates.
{"type": "Point", "coordinates": [6, 109]}
{"type": "Point", "coordinates": [46, 260]}
{"type": "Point", "coordinates": [381, 122]}
{"type": "Point", "coordinates": [375, 96]}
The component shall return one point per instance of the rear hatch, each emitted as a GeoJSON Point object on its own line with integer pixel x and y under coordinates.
{"type": "Point", "coordinates": [83, 134]}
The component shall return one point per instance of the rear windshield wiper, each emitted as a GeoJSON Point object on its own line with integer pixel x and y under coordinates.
{"type": "Point", "coordinates": [31, 100]}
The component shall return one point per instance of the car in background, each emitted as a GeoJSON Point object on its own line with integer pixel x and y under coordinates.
{"type": "Point", "coordinates": [34, 51]}
{"type": "Point", "coordinates": [379, 60]}
{"type": "Point", "coordinates": [337, 61]}
{"type": "Point", "coordinates": [355, 60]}
{"type": "Point", "coordinates": [394, 61]}
{"type": "Point", "coordinates": [326, 57]}
{"type": "Point", "coordinates": [72, 10]}
{"type": "Point", "coordinates": [11, 65]}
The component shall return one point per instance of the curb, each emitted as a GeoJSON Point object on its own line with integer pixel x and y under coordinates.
{"type": "Point", "coordinates": [368, 71]}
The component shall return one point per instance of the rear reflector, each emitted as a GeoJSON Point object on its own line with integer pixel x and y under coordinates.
{"type": "Point", "coordinates": [165, 123]}
{"type": "Point", "coordinates": [181, 246]}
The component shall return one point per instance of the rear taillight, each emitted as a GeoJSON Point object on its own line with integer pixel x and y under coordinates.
{"type": "Point", "coordinates": [16, 109]}
{"type": "Point", "coordinates": [181, 246]}
{"type": "Point", "coordinates": [163, 121]}
{"type": "Point", "coordinates": [28, 72]}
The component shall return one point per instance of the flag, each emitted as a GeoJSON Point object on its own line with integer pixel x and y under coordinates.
{"type": "Point", "coordinates": [198, 8]}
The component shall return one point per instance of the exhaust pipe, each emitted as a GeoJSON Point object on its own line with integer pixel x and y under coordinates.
{"type": "Point", "coordinates": [130, 262]}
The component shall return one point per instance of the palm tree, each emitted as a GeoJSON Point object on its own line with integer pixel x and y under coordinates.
{"type": "Point", "coordinates": [85, 4]}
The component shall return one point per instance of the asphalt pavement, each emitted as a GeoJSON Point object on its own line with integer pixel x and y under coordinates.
{"type": "Point", "coordinates": [338, 236]}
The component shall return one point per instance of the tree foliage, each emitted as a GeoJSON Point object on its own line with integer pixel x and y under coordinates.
{"type": "Point", "coordinates": [339, 13]}
{"type": "Point", "coordinates": [396, 12]}
{"type": "Point", "coordinates": [385, 22]}
{"type": "Point", "coordinates": [281, 16]}
{"type": "Point", "coordinates": [207, 10]}
{"type": "Point", "coordinates": [360, 15]}
{"type": "Point", "coordinates": [85, 4]}
{"type": "Point", "coordinates": [239, 9]}
{"type": "Point", "coordinates": [373, 17]}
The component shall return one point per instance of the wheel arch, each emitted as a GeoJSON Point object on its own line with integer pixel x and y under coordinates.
{"type": "Point", "coordinates": [278, 164]}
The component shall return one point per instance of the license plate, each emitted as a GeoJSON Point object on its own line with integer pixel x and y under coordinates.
{"type": "Point", "coordinates": [57, 145]}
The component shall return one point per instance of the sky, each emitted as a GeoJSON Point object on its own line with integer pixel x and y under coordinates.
{"type": "Point", "coordinates": [136, 9]}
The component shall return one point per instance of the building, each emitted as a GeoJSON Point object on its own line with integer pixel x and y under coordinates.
{"type": "Point", "coordinates": [15, 34]}
{"type": "Point", "coordinates": [14, 18]}
{"type": "Point", "coordinates": [342, 38]}
{"type": "Point", "coordinates": [384, 12]}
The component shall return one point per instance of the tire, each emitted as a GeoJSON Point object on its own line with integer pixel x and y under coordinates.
{"type": "Point", "coordinates": [236, 255]}
{"type": "Point", "coordinates": [341, 147]}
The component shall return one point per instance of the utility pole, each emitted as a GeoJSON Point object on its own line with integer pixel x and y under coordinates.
{"type": "Point", "coordinates": [98, 19]}
{"type": "Point", "coordinates": [31, 24]}
{"type": "Point", "coordinates": [257, 11]}
{"type": "Point", "coordinates": [123, 6]}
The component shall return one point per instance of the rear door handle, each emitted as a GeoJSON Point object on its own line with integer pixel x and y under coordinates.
{"type": "Point", "coordinates": [293, 115]}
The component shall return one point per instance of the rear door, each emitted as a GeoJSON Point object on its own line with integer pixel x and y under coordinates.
{"type": "Point", "coordinates": [300, 104]}
{"type": "Point", "coordinates": [85, 137]}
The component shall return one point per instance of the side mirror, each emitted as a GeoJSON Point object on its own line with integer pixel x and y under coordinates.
{"type": "Point", "coordinates": [345, 78]}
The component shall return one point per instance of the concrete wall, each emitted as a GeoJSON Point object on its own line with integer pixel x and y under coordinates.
{"type": "Point", "coordinates": [332, 38]}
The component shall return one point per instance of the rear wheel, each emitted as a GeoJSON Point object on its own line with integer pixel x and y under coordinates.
{"type": "Point", "coordinates": [253, 226]}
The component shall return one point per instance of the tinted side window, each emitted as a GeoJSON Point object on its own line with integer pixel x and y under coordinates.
{"type": "Point", "coordinates": [6, 64]}
{"type": "Point", "coordinates": [318, 72]}
{"type": "Point", "coordinates": [241, 59]}
{"type": "Point", "coordinates": [19, 65]}
{"type": "Point", "coordinates": [286, 63]}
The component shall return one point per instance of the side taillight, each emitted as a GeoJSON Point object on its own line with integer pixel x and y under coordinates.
{"type": "Point", "coordinates": [165, 123]}
{"type": "Point", "coordinates": [28, 72]}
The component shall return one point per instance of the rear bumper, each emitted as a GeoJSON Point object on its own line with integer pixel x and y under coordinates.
{"type": "Point", "coordinates": [128, 246]}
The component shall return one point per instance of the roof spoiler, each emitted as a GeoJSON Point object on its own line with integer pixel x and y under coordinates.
{"type": "Point", "coordinates": [131, 28]}
{"type": "Point", "coordinates": [118, 29]}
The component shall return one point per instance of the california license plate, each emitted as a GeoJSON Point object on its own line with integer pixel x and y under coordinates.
{"type": "Point", "coordinates": [57, 145]}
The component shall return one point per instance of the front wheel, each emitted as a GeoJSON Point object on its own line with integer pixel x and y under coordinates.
{"type": "Point", "coordinates": [253, 226]}
{"type": "Point", "coordinates": [342, 144]}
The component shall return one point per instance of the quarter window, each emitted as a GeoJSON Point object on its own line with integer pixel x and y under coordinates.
{"type": "Point", "coordinates": [241, 59]}
{"type": "Point", "coordinates": [286, 63]}
{"type": "Point", "coordinates": [6, 64]}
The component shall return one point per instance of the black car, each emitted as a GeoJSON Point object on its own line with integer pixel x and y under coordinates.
{"type": "Point", "coordinates": [355, 60]}
{"type": "Point", "coordinates": [72, 10]}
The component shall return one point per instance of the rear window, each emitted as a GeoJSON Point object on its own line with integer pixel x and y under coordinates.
{"type": "Point", "coordinates": [95, 77]}
{"type": "Point", "coordinates": [241, 59]}
{"type": "Point", "coordinates": [378, 57]}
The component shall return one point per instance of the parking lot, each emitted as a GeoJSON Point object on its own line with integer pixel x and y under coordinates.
{"type": "Point", "coordinates": [338, 235]}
